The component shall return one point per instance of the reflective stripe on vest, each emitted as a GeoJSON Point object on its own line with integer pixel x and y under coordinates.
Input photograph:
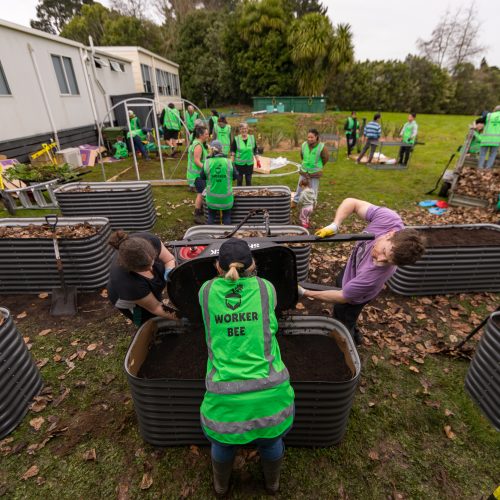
{"type": "Point", "coordinates": [193, 170]}
{"type": "Point", "coordinates": [311, 159]}
{"type": "Point", "coordinates": [171, 119]}
{"type": "Point", "coordinates": [219, 192]}
{"type": "Point", "coordinates": [248, 425]}
{"type": "Point", "coordinates": [224, 136]}
{"type": "Point", "coordinates": [491, 134]}
{"type": "Point", "coordinates": [237, 387]}
{"type": "Point", "coordinates": [244, 152]}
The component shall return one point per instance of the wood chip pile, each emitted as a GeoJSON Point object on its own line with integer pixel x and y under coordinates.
{"type": "Point", "coordinates": [479, 183]}
{"type": "Point", "coordinates": [257, 192]}
{"type": "Point", "coordinates": [33, 231]}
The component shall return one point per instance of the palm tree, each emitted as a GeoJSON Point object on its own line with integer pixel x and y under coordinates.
{"type": "Point", "coordinates": [318, 50]}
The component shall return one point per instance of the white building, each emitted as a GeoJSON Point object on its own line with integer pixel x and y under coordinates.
{"type": "Point", "coordinates": [152, 73]}
{"type": "Point", "coordinates": [55, 88]}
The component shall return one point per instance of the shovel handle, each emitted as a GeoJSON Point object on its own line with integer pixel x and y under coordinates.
{"type": "Point", "coordinates": [52, 220]}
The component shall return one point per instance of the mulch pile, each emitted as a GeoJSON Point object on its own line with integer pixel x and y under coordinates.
{"type": "Point", "coordinates": [479, 183]}
{"type": "Point", "coordinates": [33, 231]}
{"type": "Point", "coordinates": [257, 192]}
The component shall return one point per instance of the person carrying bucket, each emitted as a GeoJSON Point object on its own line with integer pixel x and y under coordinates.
{"type": "Point", "coordinates": [248, 398]}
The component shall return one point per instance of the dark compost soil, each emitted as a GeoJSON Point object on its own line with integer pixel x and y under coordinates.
{"type": "Point", "coordinates": [455, 237]}
{"type": "Point", "coordinates": [184, 356]}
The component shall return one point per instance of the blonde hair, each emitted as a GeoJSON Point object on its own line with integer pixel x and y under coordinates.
{"type": "Point", "coordinates": [233, 274]}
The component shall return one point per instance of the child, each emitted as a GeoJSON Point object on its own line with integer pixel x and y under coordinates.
{"type": "Point", "coordinates": [307, 201]}
{"type": "Point", "coordinates": [120, 149]}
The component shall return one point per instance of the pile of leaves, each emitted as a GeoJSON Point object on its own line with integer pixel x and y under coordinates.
{"type": "Point", "coordinates": [479, 183]}
{"type": "Point", "coordinates": [258, 192]}
{"type": "Point", "coordinates": [41, 173]}
{"type": "Point", "coordinates": [32, 231]}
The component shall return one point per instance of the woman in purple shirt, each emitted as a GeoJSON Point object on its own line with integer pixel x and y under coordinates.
{"type": "Point", "coordinates": [371, 263]}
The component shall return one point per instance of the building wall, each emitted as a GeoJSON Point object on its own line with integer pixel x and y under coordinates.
{"type": "Point", "coordinates": [24, 113]}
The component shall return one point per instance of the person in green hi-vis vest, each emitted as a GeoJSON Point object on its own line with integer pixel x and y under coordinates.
{"type": "Point", "coordinates": [218, 172]}
{"type": "Point", "coordinates": [475, 144]}
{"type": "Point", "coordinates": [248, 398]}
{"type": "Point", "coordinates": [314, 157]}
{"type": "Point", "coordinates": [351, 127]}
{"type": "Point", "coordinates": [243, 152]}
{"type": "Point", "coordinates": [212, 121]}
{"type": "Point", "coordinates": [190, 117]}
{"type": "Point", "coordinates": [138, 134]}
{"type": "Point", "coordinates": [408, 136]}
{"type": "Point", "coordinates": [171, 121]}
{"type": "Point", "coordinates": [197, 153]}
{"type": "Point", "coordinates": [490, 140]}
{"type": "Point", "coordinates": [222, 132]}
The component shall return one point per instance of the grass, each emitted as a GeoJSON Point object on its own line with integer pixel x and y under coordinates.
{"type": "Point", "coordinates": [395, 445]}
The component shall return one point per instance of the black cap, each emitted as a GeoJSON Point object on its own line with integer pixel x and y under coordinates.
{"type": "Point", "coordinates": [235, 250]}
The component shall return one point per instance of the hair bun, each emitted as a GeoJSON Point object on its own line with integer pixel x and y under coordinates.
{"type": "Point", "coordinates": [117, 238]}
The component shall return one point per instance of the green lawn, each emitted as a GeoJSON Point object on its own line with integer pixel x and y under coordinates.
{"type": "Point", "coordinates": [395, 445]}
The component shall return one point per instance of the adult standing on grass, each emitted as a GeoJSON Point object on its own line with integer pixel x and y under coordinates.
{"type": "Point", "coordinates": [138, 275]}
{"type": "Point", "coordinates": [351, 127]}
{"type": "Point", "coordinates": [219, 174]}
{"type": "Point", "coordinates": [171, 126]}
{"type": "Point", "coordinates": [222, 133]}
{"type": "Point", "coordinates": [408, 136]}
{"type": "Point", "coordinates": [197, 153]}
{"type": "Point", "coordinates": [372, 132]}
{"type": "Point", "coordinates": [490, 139]}
{"type": "Point", "coordinates": [190, 118]}
{"type": "Point", "coordinates": [243, 152]}
{"type": "Point", "coordinates": [213, 121]}
{"type": "Point", "coordinates": [249, 399]}
{"type": "Point", "coordinates": [314, 157]}
{"type": "Point", "coordinates": [371, 263]}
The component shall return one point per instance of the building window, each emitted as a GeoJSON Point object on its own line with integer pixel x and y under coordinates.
{"type": "Point", "coordinates": [4, 85]}
{"type": "Point", "coordinates": [146, 78]}
{"type": "Point", "coordinates": [65, 74]}
{"type": "Point", "coordinates": [115, 66]}
{"type": "Point", "coordinates": [100, 63]}
{"type": "Point", "coordinates": [176, 85]}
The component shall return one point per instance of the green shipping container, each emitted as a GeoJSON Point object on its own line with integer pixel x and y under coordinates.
{"type": "Point", "coordinates": [291, 104]}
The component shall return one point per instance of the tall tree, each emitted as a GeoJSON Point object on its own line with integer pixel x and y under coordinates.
{"type": "Point", "coordinates": [91, 21]}
{"type": "Point", "coordinates": [52, 15]}
{"type": "Point", "coordinates": [132, 8]}
{"type": "Point", "coordinates": [303, 7]}
{"type": "Point", "coordinates": [318, 50]}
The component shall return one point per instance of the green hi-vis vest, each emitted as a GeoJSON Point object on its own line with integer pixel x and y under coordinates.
{"type": "Point", "coordinates": [224, 136]}
{"type": "Point", "coordinates": [351, 128]}
{"type": "Point", "coordinates": [244, 152]}
{"type": "Point", "coordinates": [190, 119]}
{"type": "Point", "coordinates": [193, 170]}
{"type": "Point", "coordinates": [491, 133]}
{"type": "Point", "coordinates": [248, 394]}
{"type": "Point", "coordinates": [475, 144]}
{"type": "Point", "coordinates": [219, 193]}
{"type": "Point", "coordinates": [214, 119]}
{"type": "Point", "coordinates": [407, 133]}
{"type": "Point", "coordinates": [136, 129]}
{"type": "Point", "coordinates": [171, 119]}
{"type": "Point", "coordinates": [121, 150]}
{"type": "Point", "coordinates": [311, 158]}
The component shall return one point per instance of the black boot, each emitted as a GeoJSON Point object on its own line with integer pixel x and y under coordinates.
{"type": "Point", "coordinates": [222, 475]}
{"type": "Point", "coordinates": [198, 216]}
{"type": "Point", "coordinates": [271, 472]}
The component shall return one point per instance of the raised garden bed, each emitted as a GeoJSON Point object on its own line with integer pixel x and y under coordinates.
{"type": "Point", "coordinates": [27, 260]}
{"type": "Point", "coordinates": [459, 258]}
{"type": "Point", "coordinates": [20, 379]}
{"type": "Point", "coordinates": [476, 187]}
{"type": "Point", "coordinates": [302, 252]}
{"type": "Point", "coordinates": [276, 199]}
{"type": "Point", "coordinates": [166, 361]}
{"type": "Point", "coordinates": [127, 205]}
{"type": "Point", "coordinates": [483, 377]}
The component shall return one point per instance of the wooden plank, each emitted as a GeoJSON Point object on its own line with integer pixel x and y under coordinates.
{"type": "Point", "coordinates": [168, 182]}
{"type": "Point", "coordinates": [115, 177]}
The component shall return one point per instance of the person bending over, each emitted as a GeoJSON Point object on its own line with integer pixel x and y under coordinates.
{"type": "Point", "coordinates": [371, 263]}
{"type": "Point", "coordinates": [138, 275]}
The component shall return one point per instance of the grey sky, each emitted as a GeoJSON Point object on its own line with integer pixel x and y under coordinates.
{"type": "Point", "coordinates": [386, 29]}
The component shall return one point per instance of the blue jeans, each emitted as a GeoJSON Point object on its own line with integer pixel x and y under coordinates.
{"type": "Point", "coordinates": [139, 146]}
{"type": "Point", "coordinates": [313, 182]}
{"type": "Point", "coordinates": [269, 449]}
{"type": "Point", "coordinates": [493, 150]}
{"type": "Point", "coordinates": [214, 214]}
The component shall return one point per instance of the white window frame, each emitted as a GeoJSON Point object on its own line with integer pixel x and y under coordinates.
{"type": "Point", "coordinates": [144, 68]}
{"type": "Point", "coordinates": [115, 66]}
{"type": "Point", "coordinates": [3, 76]}
{"type": "Point", "coordinates": [61, 60]}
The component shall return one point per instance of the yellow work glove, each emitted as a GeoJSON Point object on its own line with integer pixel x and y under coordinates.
{"type": "Point", "coordinates": [326, 231]}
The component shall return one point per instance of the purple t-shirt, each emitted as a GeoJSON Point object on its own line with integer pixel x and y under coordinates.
{"type": "Point", "coordinates": [363, 280]}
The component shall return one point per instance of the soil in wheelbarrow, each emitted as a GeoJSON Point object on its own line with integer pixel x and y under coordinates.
{"type": "Point", "coordinates": [458, 237]}
{"type": "Point", "coordinates": [184, 356]}
{"type": "Point", "coordinates": [75, 231]}
{"type": "Point", "coordinates": [257, 192]}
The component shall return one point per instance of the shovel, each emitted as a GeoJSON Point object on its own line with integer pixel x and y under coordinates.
{"type": "Point", "coordinates": [64, 298]}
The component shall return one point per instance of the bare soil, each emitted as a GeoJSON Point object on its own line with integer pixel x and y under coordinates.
{"type": "Point", "coordinates": [454, 237]}
{"type": "Point", "coordinates": [44, 231]}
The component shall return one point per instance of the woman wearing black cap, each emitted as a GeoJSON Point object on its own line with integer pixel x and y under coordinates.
{"type": "Point", "coordinates": [138, 275]}
{"type": "Point", "coordinates": [249, 399]}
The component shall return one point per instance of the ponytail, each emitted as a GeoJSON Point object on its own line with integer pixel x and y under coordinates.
{"type": "Point", "coordinates": [233, 273]}
{"type": "Point", "coordinates": [117, 238]}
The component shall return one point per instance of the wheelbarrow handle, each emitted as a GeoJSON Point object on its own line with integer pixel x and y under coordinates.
{"type": "Point", "coordinates": [52, 220]}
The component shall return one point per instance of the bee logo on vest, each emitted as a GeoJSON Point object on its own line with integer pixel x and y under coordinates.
{"type": "Point", "coordinates": [233, 298]}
